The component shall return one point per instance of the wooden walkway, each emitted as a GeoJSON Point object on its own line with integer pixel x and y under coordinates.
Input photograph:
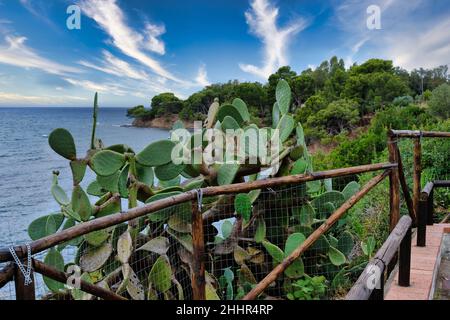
{"type": "Point", "coordinates": [424, 264]}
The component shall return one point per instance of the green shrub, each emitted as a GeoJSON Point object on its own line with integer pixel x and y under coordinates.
{"type": "Point", "coordinates": [440, 101]}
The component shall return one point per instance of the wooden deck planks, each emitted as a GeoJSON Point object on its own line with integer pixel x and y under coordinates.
{"type": "Point", "coordinates": [423, 264]}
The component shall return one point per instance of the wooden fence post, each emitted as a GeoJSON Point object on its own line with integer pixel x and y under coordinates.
{"type": "Point", "coordinates": [394, 182]}
{"type": "Point", "coordinates": [404, 263]}
{"type": "Point", "coordinates": [198, 244]}
{"type": "Point", "coordinates": [422, 222]}
{"type": "Point", "coordinates": [416, 174]}
{"type": "Point", "coordinates": [23, 292]}
{"type": "Point", "coordinates": [430, 212]}
{"type": "Point", "coordinates": [378, 293]}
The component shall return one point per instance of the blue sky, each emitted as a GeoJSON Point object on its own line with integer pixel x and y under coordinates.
{"type": "Point", "coordinates": [130, 50]}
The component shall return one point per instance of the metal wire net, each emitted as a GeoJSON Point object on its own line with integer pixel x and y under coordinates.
{"type": "Point", "coordinates": [152, 257]}
{"type": "Point", "coordinates": [434, 165]}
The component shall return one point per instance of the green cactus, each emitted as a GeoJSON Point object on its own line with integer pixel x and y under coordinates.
{"type": "Point", "coordinates": [243, 206]}
{"type": "Point", "coordinates": [231, 111]}
{"type": "Point", "coordinates": [61, 141]}
{"type": "Point", "coordinates": [45, 226]}
{"type": "Point", "coordinates": [107, 162]}
{"type": "Point", "coordinates": [164, 238]}
{"type": "Point", "coordinates": [240, 105]}
{"type": "Point", "coordinates": [227, 173]}
{"type": "Point", "coordinates": [283, 96]}
{"type": "Point", "coordinates": [229, 123]}
{"type": "Point", "coordinates": [285, 127]}
{"type": "Point", "coordinates": [350, 189]}
{"type": "Point", "coordinates": [81, 204]}
{"type": "Point", "coordinates": [156, 154]}
{"type": "Point", "coordinates": [169, 171]}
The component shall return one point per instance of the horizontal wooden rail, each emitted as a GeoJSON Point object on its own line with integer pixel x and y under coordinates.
{"type": "Point", "coordinates": [62, 277]}
{"type": "Point", "coordinates": [399, 238]}
{"type": "Point", "coordinates": [441, 183]}
{"type": "Point", "coordinates": [6, 274]}
{"type": "Point", "coordinates": [417, 133]}
{"type": "Point", "coordinates": [279, 269]}
{"type": "Point", "coordinates": [114, 219]}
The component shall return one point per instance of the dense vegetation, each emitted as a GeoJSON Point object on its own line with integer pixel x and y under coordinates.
{"type": "Point", "coordinates": [358, 92]}
{"type": "Point", "coordinates": [151, 257]}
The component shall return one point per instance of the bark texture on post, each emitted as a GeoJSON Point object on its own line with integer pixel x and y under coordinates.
{"type": "Point", "coordinates": [404, 263]}
{"type": "Point", "coordinates": [405, 190]}
{"type": "Point", "coordinates": [416, 174]}
{"type": "Point", "coordinates": [394, 183]}
{"type": "Point", "coordinates": [23, 292]}
{"type": "Point", "coordinates": [198, 244]}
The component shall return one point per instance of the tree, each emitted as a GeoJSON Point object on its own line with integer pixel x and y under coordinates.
{"type": "Point", "coordinates": [166, 103]}
{"type": "Point", "coordinates": [440, 101]}
{"type": "Point", "coordinates": [313, 105]}
{"type": "Point", "coordinates": [374, 84]}
{"type": "Point", "coordinates": [302, 88]}
{"type": "Point", "coordinates": [338, 116]}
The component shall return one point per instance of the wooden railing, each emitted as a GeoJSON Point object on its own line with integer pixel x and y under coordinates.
{"type": "Point", "coordinates": [198, 276]}
{"type": "Point", "coordinates": [399, 238]}
{"type": "Point", "coordinates": [370, 284]}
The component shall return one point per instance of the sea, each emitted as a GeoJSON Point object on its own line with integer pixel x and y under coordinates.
{"type": "Point", "coordinates": [27, 161]}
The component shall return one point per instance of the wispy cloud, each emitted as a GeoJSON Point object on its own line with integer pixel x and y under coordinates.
{"type": "Point", "coordinates": [427, 48]}
{"type": "Point", "coordinates": [15, 98]}
{"type": "Point", "coordinates": [202, 76]}
{"type": "Point", "coordinates": [112, 20]}
{"type": "Point", "coordinates": [37, 9]}
{"type": "Point", "coordinates": [411, 34]}
{"type": "Point", "coordinates": [97, 87]}
{"type": "Point", "coordinates": [15, 52]}
{"type": "Point", "coordinates": [262, 20]}
{"type": "Point", "coordinates": [115, 66]}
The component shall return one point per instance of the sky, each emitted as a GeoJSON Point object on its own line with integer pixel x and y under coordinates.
{"type": "Point", "coordinates": [130, 50]}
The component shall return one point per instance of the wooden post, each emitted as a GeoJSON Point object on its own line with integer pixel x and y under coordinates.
{"type": "Point", "coordinates": [23, 292]}
{"type": "Point", "coordinates": [416, 174]}
{"type": "Point", "coordinates": [378, 293]}
{"type": "Point", "coordinates": [389, 249]}
{"type": "Point", "coordinates": [198, 244]}
{"type": "Point", "coordinates": [324, 227]}
{"type": "Point", "coordinates": [405, 189]}
{"type": "Point", "coordinates": [430, 213]}
{"type": "Point", "coordinates": [394, 182]}
{"type": "Point", "coordinates": [422, 223]}
{"type": "Point", "coordinates": [404, 263]}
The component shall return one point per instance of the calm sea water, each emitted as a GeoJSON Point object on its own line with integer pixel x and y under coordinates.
{"type": "Point", "coordinates": [27, 162]}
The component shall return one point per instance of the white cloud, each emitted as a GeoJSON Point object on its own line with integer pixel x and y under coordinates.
{"type": "Point", "coordinates": [427, 48]}
{"type": "Point", "coordinates": [16, 53]}
{"type": "Point", "coordinates": [113, 89]}
{"type": "Point", "coordinates": [411, 34]}
{"type": "Point", "coordinates": [112, 20]}
{"type": "Point", "coordinates": [202, 77]}
{"type": "Point", "coordinates": [115, 66]}
{"type": "Point", "coordinates": [36, 8]}
{"type": "Point", "coordinates": [15, 98]}
{"type": "Point", "coordinates": [262, 20]}
{"type": "Point", "coordinates": [152, 42]}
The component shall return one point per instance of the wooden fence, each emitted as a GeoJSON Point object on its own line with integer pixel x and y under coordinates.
{"type": "Point", "coordinates": [399, 237]}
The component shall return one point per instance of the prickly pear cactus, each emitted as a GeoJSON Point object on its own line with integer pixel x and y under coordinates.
{"type": "Point", "coordinates": [148, 257]}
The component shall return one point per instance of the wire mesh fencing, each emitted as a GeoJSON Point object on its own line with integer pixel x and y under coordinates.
{"type": "Point", "coordinates": [433, 164]}
{"type": "Point", "coordinates": [245, 237]}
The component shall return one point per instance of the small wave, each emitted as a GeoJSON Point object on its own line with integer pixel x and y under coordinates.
{"type": "Point", "coordinates": [45, 136]}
